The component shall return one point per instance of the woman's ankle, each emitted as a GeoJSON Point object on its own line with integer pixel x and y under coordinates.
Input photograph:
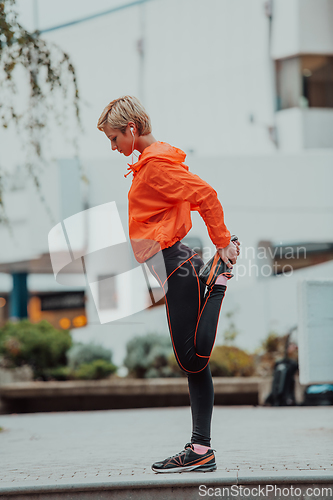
{"type": "Point", "coordinates": [200, 449]}
{"type": "Point", "coordinates": [221, 280]}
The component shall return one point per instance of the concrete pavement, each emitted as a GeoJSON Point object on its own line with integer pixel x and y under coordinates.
{"type": "Point", "coordinates": [107, 454]}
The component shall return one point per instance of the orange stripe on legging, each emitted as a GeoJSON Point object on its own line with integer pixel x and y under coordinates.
{"type": "Point", "coordinates": [213, 269]}
{"type": "Point", "coordinates": [169, 322]}
{"type": "Point", "coordinates": [180, 265]}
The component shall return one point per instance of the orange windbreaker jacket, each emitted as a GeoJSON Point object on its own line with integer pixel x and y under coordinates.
{"type": "Point", "coordinates": [161, 197]}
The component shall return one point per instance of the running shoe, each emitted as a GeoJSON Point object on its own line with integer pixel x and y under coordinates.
{"type": "Point", "coordinates": [186, 461]}
{"type": "Point", "coordinates": [215, 267]}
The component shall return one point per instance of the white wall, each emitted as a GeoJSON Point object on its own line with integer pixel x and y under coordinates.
{"type": "Point", "coordinates": [318, 128]}
{"type": "Point", "coordinates": [206, 71]}
{"type": "Point", "coordinates": [315, 331]}
{"type": "Point", "coordinates": [302, 27]}
{"type": "Point", "coordinates": [316, 21]}
{"type": "Point", "coordinates": [289, 124]}
{"type": "Point", "coordinates": [286, 28]}
{"type": "Point", "coordinates": [300, 129]}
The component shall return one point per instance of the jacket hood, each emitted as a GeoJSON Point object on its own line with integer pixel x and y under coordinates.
{"type": "Point", "coordinates": [158, 151]}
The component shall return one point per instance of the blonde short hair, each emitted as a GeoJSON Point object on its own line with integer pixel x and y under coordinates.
{"type": "Point", "coordinates": [123, 110]}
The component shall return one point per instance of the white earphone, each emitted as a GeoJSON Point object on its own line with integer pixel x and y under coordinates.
{"type": "Point", "coordinates": [133, 141]}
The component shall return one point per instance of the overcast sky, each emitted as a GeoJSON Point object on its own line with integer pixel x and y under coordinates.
{"type": "Point", "coordinates": [51, 13]}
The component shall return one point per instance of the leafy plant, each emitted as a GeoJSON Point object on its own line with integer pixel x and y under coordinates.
{"type": "Point", "coordinates": [59, 373]}
{"type": "Point", "coordinates": [81, 353]}
{"type": "Point", "coordinates": [96, 370]}
{"type": "Point", "coordinates": [148, 356]}
{"type": "Point", "coordinates": [39, 345]}
{"type": "Point", "coordinates": [230, 361]}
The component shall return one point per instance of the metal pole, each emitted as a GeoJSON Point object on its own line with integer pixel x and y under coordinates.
{"type": "Point", "coordinates": [19, 297]}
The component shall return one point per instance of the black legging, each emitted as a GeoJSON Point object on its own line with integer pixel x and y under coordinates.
{"type": "Point", "coordinates": [192, 318]}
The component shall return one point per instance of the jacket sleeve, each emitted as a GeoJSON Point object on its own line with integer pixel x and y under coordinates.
{"type": "Point", "coordinates": [175, 184]}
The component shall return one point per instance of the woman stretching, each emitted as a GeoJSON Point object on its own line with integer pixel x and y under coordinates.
{"type": "Point", "coordinates": [161, 197]}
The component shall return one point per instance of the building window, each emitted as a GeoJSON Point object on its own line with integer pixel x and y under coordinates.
{"type": "Point", "coordinates": [317, 81]}
{"type": "Point", "coordinates": [305, 81]}
{"type": "Point", "coordinates": [62, 309]}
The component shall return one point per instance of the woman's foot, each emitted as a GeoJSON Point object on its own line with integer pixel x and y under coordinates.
{"type": "Point", "coordinates": [186, 461]}
{"type": "Point", "coordinates": [214, 268]}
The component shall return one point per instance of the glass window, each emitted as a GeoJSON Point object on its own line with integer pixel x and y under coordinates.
{"type": "Point", "coordinates": [317, 81]}
{"type": "Point", "coordinates": [305, 81]}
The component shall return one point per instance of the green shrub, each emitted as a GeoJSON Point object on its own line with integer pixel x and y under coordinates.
{"type": "Point", "coordinates": [96, 370]}
{"type": "Point", "coordinates": [230, 361]}
{"type": "Point", "coordinates": [39, 345]}
{"type": "Point", "coordinates": [80, 354]}
{"type": "Point", "coordinates": [59, 373]}
{"type": "Point", "coordinates": [148, 356]}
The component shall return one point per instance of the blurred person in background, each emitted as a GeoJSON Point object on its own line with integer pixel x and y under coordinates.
{"type": "Point", "coordinates": [162, 195]}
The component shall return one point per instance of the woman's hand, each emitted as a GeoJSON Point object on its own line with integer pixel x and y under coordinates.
{"type": "Point", "coordinates": [230, 253]}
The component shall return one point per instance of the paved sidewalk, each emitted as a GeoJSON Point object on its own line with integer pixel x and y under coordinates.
{"type": "Point", "coordinates": [118, 446]}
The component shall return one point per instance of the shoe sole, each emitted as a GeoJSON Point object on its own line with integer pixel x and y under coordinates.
{"type": "Point", "coordinates": [190, 468]}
